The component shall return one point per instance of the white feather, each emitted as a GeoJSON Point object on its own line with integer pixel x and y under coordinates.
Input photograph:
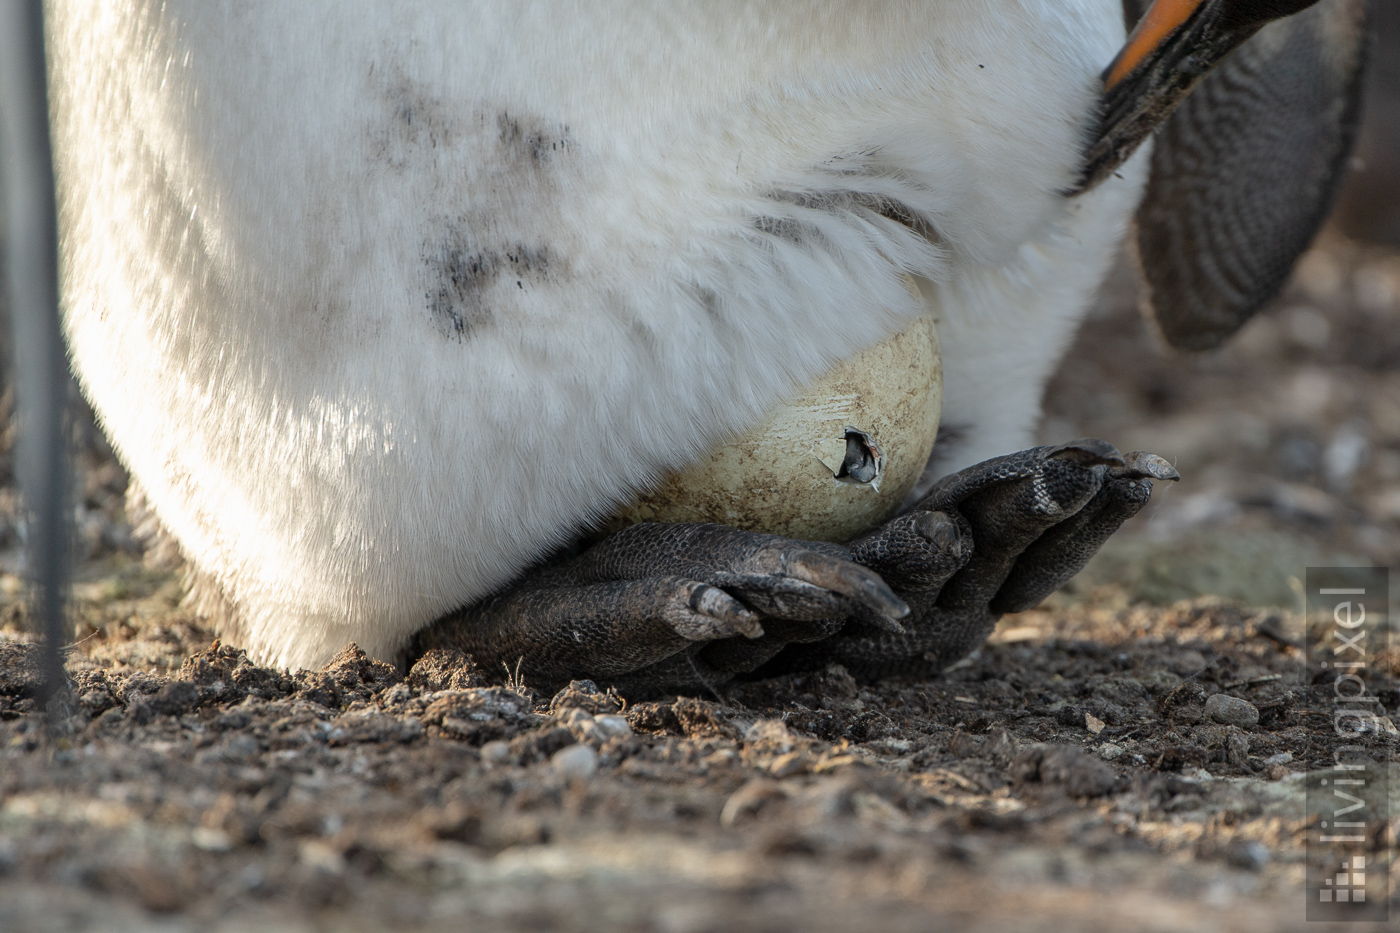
{"type": "Point", "coordinates": [380, 302]}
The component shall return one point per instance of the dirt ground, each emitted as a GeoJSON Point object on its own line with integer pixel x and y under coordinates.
{"type": "Point", "coordinates": [1072, 774]}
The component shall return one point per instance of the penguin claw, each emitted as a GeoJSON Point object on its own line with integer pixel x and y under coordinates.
{"type": "Point", "coordinates": [1142, 465]}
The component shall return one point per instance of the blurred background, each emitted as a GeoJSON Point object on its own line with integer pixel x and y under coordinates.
{"type": "Point", "coordinates": [1287, 439]}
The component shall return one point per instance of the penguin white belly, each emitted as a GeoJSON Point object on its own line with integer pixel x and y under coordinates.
{"type": "Point", "coordinates": [379, 303]}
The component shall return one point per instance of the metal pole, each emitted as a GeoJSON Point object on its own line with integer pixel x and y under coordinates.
{"type": "Point", "coordinates": [40, 363]}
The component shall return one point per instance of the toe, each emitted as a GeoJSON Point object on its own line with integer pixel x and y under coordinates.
{"type": "Point", "coordinates": [1087, 450]}
{"type": "Point", "coordinates": [857, 583]}
{"type": "Point", "coordinates": [951, 491]}
{"type": "Point", "coordinates": [701, 612]}
{"type": "Point", "coordinates": [940, 531]}
{"type": "Point", "coordinates": [1008, 517]}
{"type": "Point", "coordinates": [1142, 465]}
{"type": "Point", "coordinates": [917, 550]}
{"type": "Point", "coordinates": [1061, 552]}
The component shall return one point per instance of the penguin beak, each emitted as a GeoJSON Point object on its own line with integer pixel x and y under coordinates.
{"type": "Point", "coordinates": [1163, 20]}
{"type": "Point", "coordinates": [1175, 45]}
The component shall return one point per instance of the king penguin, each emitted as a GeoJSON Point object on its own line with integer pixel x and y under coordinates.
{"type": "Point", "coordinates": [382, 303]}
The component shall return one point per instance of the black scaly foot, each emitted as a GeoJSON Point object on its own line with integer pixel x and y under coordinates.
{"type": "Point", "coordinates": [650, 595]}
{"type": "Point", "coordinates": [996, 537]}
{"type": "Point", "coordinates": [689, 606]}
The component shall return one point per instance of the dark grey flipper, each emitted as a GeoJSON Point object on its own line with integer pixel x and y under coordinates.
{"type": "Point", "coordinates": [1244, 172]}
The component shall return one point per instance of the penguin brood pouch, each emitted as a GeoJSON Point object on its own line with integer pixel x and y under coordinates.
{"type": "Point", "coordinates": [394, 314]}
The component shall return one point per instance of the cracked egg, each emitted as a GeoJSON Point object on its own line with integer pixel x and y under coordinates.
{"type": "Point", "coordinates": [830, 462]}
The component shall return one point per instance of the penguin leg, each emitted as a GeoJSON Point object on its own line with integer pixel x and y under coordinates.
{"type": "Point", "coordinates": [996, 537]}
{"type": "Point", "coordinates": [647, 595]}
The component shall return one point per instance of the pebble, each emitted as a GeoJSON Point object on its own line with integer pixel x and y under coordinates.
{"type": "Point", "coordinates": [1282, 758]}
{"type": "Point", "coordinates": [240, 746]}
{"type": "Point", "coordinates": [495, 752]}
{"type": "Point", "coordinates": [211, 840]}
{"type": "Point", "coordinates": [575, 762]}
{"type": "Point", "coordinates": [322, 856]}
{"type": "Point", "coordinates": [1232, 711]}
{"type": "Point", "coordinates": [1236, 748]}
{"type": "Point", "coordinates": [613, 726]}
{"type": "Point", "coordinates": [1108, 751]}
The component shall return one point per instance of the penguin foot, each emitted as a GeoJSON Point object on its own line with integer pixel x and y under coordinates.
{"type": "Point", "coordinates": [670, 606]}
{"type": "Point", "coordinates": [996, 537]}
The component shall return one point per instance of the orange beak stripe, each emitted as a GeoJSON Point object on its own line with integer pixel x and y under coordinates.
{"type": "Point", "coordinates": [1164, 18]}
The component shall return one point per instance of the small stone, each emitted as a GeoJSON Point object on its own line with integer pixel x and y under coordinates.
{"type": "Point", "coordinates": [771, 733]}
{"type": "Point", "coordinates": [1108, 751]}
{"type": "Point", "coordinates": [1093, 723]}
{"type": "Point", "coordinates": [594, 730]}
{"type": "Point", "coordinates": [613, 727]}
{"type": "Point", "coordinates": [1184, 703]}
{"type": "Point", "coordinates": [1282, 758]}
{"type": "Point", "coordinates": [495, 752]}
{"type": "Point", "coordinates": [1232, 711]}
{"type": "Point", "coordinates": [1066, 765]}
{"type": "Point", "coordinates": [585, 695]}
{"type": "Point", "coordinates": [575, 718]}
{"type": "Point", "coordinates": [322, 857]}
{"type": "Point", "coordinates": [575, 762]}
{"type": "Point", "coordinates": [540, 744]}
{"type": "Point", "coordinates": [211, 840]}
{"type": "Point", "coordinates": [1237, 749]}
{"type": "Point", "coordinates": [240, 747]}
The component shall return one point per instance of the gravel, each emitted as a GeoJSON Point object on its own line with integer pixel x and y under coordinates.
{"type": "Point", "coordinates": [1232, 711]}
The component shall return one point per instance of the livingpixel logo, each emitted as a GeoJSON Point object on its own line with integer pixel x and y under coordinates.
{"type": "Point", "coordinates": [1351, 882]}
{"type": "Point", "coordinates": [1347, 628]}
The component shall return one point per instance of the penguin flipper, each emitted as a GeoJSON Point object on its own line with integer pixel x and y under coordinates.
{"type": "Point", "coordinates": [1245, 171]}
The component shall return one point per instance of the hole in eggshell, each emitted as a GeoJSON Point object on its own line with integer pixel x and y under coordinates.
{"type": "Point", "coordinates": [864, 462]}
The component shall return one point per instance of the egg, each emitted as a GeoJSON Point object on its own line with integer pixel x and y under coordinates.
{"type": "Point", "coordinates": [830, 462]}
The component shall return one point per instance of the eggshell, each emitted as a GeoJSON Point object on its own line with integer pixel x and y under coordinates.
{"type": "Point", "coordinates": [880, 406]}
